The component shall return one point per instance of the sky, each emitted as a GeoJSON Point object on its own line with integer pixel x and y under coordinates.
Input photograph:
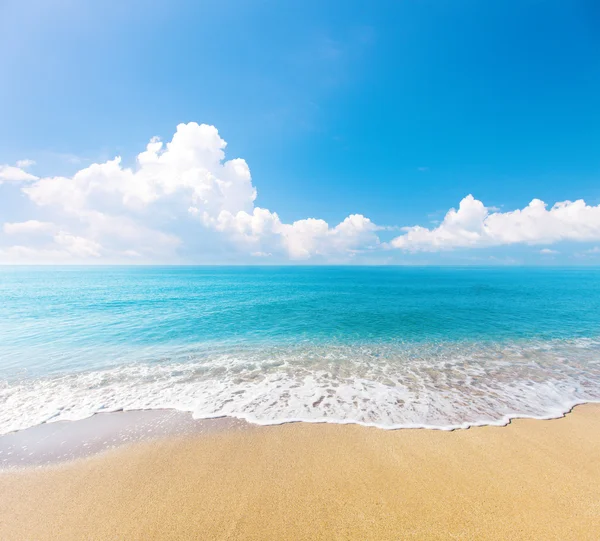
{"type": "Point", "coordinates": [265, 132]}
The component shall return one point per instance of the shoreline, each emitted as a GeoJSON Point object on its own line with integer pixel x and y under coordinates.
{"type": "Point", "coordinates": [505, 420]}
{"type": "Point", "coordinates": [453, 384]}
{"type": "Point", "coordinates": [530, 479]}
{"type": "Point", "coordinates": [66, 440]}
{"type": "Point", "coordinates": [22, 449]}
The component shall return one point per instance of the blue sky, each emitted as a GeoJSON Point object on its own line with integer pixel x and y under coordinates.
{"type": "Point", "coordinates": [394, 111]}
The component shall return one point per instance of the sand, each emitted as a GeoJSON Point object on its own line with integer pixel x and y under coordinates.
{"type": "Point", "coordinates": [530, 480]}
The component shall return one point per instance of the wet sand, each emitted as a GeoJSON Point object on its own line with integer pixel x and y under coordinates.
{"type": "Point", "coordinates": [530, 480]}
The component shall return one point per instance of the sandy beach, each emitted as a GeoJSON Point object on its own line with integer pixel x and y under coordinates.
{"type": "Point", "coordinates": [530, 480]}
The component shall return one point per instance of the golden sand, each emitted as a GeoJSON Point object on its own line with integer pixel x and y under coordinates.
{"type": "Point", "coordinates": [529, 480]}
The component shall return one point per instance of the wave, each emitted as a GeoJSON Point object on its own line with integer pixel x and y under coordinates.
{"type": "Point", "coordinates": [415, 385]}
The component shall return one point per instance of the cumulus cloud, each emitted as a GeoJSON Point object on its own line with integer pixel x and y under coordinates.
{"type": "Point", "coordinates": [548, 251]}
{"type": "Point", "coordinates": [301, 239]}
{"type": "Point", "coordinates": [474, 225]}
{"type": "Point", "coordinates": [181, 200]}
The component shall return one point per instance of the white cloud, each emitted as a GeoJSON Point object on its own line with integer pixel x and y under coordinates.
{"type": "Point", "coordinates": [473, 225]}
{"type": "Point", "coordinates": [184, 202]}
{"type": "Point", "coordinates": [181, 201]}
{"type": "Point", "coordinates": [24, 164]}
{"type": "Point", "coordinates": [78, 246]}
{"type": "Point", "coordinates": [54, 245]}
{"type": "Point", "coordinates": [16, 173]}
{"type": "Point", "coordinates": [301, 239]}
{"type": "Point", "coordinates": [28, 227]}
{"type": "Point", "coordinates": [548, 251]}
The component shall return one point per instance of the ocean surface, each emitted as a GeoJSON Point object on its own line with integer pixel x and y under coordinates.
{"type": "Point", "coordinates": [390, 347]}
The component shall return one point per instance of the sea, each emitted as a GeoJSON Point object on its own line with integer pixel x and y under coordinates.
{"type": "Point", "coordinates": [389, 347]}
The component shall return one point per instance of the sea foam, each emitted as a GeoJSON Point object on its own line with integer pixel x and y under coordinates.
{"type": "Point", "coordinates": [387, 385]}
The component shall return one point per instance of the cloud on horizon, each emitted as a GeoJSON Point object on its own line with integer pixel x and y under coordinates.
{"type": "Point", "coordinates": [182, 196]}
{"type": "Point", "coordinates": [183, 201]}
{"type": "Point", "coordinates": [474, 225]}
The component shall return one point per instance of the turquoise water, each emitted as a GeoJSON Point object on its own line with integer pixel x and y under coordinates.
{"type": "Point", "coordinates": [384, 346]}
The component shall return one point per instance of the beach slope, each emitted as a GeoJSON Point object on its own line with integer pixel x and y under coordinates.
{"type": "Point", "coordinates": [529, 480]}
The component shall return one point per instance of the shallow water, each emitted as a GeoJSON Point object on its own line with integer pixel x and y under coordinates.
{"type": "Point", "coordinates": [387, 346]}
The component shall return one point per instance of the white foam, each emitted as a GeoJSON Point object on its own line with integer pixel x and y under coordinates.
{"type": "Point", "coordinates": [441, 386]}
